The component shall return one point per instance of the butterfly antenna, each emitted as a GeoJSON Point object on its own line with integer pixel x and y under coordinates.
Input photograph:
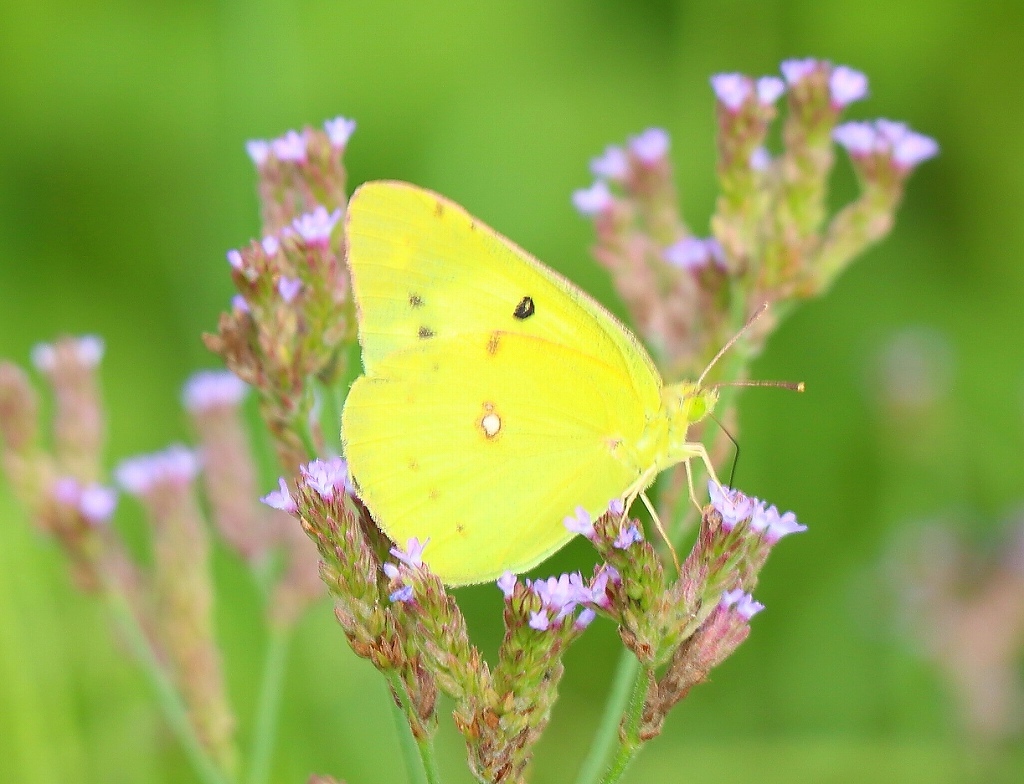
{"type": "Point", "coordinates": [795, 386]}
{"type": "Point", "coordinates": [760, 312]}
{"type": "Point", "coordinates": [735, 443]}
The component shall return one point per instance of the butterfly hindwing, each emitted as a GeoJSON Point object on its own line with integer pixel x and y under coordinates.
{"type": "Point", "coordinates": [484, 443]}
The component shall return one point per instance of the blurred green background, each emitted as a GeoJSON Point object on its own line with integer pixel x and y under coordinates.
{"type": "Point", "coordinates": [123, 180]}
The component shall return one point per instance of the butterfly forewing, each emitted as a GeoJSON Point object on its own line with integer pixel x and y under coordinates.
{"type": "Point", "coordinates": [423, 269]}
{"type": "Point", "coordinates": [487, 463]}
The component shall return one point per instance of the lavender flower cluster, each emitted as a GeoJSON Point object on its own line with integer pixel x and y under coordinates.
{"type": "Point", "coordinates": [687, 291]}
{"type": "Point", "coordinates": [396, 613]}
{"type": "Point", "coordinates": [292, 317]}
{"type": "Point", "coordinates": [165, 606]}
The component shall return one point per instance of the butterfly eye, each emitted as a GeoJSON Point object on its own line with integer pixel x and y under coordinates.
{"type": "Point", "coordinates": [524, 309]}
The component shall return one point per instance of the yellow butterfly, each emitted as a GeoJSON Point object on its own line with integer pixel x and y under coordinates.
{"type": "Point", "coordinates": [497, 396]}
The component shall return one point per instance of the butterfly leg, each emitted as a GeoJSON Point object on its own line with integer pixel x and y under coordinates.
{"type": "Point", "coordinates": [698, 450]}
{"type": "Point", "coordinates": [689, 483]}
{"type": "Point", "coordinates": [701, 451]}
{"type": "Point", "coordinates": [636, 490]}
{"type": "Point", "coordinates": [661, 529]}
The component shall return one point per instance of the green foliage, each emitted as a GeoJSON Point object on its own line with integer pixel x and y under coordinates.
{"type": "Point", "coordinates": [123, 180]}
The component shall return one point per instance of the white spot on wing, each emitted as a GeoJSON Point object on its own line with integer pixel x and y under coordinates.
{"type": "Point", "coordinates": [491, 424]}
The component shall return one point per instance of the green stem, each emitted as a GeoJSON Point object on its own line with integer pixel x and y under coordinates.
{"type": "Point", "coordinates": [418, 753]}
{"type": "Point", "coordinates": [308, 442]}
{"type": "Point", "coordinates": [268, 707]}
{"type": "Point", "coordinates": [630, 741]}
{"type": "Point", "coordinates": [623, 685]}
{"type": "Point", "coordinates": [330, 400]}
{"type": "Point", "coordinates": [167, 695]}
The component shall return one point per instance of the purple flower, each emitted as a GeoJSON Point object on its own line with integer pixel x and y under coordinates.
{"type": "Point", "coordinates": [690, 253]}
{"type": "Point", "coordinates": [327, 477]}
{"type": "Point", "coordinates": [846, 85]}
{"type": "Point", "coordinates": [210, 389]}
{"type": "Point", "coordinates": [89, 350]}
{"type": "Point", "coordinates": [759, 517]}
{"type": "Point", "coordinates": [628, 535]}
{"type": "Point", "coordinates": [694, 253]}
{"type": "Point", "coordinates": [97, 503]}
{"type": "Point", "coordinates": [913, 149]}
{"type": "Point", "coordinates": [715, 251]}
{"type": "Point", "coordinates": [539, 620]}
{"type": "Point", "coordinates": [412, 555]}
{"type": "Point", "coordinates": [315, 227]}
{"type": "Point", "coordinates": [580, 523]}
{"type": "Point", "coordinates": [778, 526]}
{"type": "Point", "coordinates": [760, 159]}
{"type": "Point", "coordinates": [579, 587]}
{"type": "Point", "coordinates": [890, 131]}
{"type": "Point", "coordinates": [238, 303]}
{"type": "Point", "coordinates": [554, 592]}
{"type": "Point", "coordinates": [731, 89]}
{"type": "Point", "coordinates": [234, 259]}
{"type": "Point", "coordinates": [507, 584]}
{"type": "Point", "coordinates": [857, 137]}
{"type": "Point", "coordinates": [744, 603]}
{"type": "Point", "coordinates": [176, 465]}
{"type": "Point", "coordinates": [281, 498]}
{"type": "Point", "coordinates": [593, 200]}
{"type": "Point", "coordinates": [796, 70]}
{"type": "Point", "coordinates": [769, 89]}
{"type": "Point", "coordinates": [598, 589]}
{"type": "Point", "coordinates": [747, 607]}
{"type": "Point", "coordinates": [586, 617]}
{"type": "Point", "coordinates": [44, 357]}
{"type": "Point", "coordinates": [403, 594]}
{"type": "Point", "coordinates": [729, 598]}
{"type": "Point", "coordinates": [271, 245]}
{"type": "Point", "coordinates": [289, 288]}
{"type": "Point", "coordinates": [906, 147]}
{"type": "Point", "coordinates": [612, 164]}
{"type": "Point", "coordinates": [390, 570]}
{"type": "Point", "coordinates": [561, 594]}
{"type": "Point", "coordinates": [258, 150]}
{"type": "Point", "coordinates": [650, 146]}
{"type": "Point", "coordinates": [732, 505]}
{"type": "Point", "coordinates": [290, 147]}
{"type": "Point", "coordinates": [339, 131]}
{"type": "Point", "coordinates": [616, 507]}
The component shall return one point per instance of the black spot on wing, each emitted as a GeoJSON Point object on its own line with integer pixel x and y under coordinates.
{"type": "Point", "coordinates": [426, 332]}
{"type": "Point", "coordinates": [439, 209]}
{"type": "Point", "coordinates": [415, 301]}
{"type": "Point", "coordinates": [524, 309]}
